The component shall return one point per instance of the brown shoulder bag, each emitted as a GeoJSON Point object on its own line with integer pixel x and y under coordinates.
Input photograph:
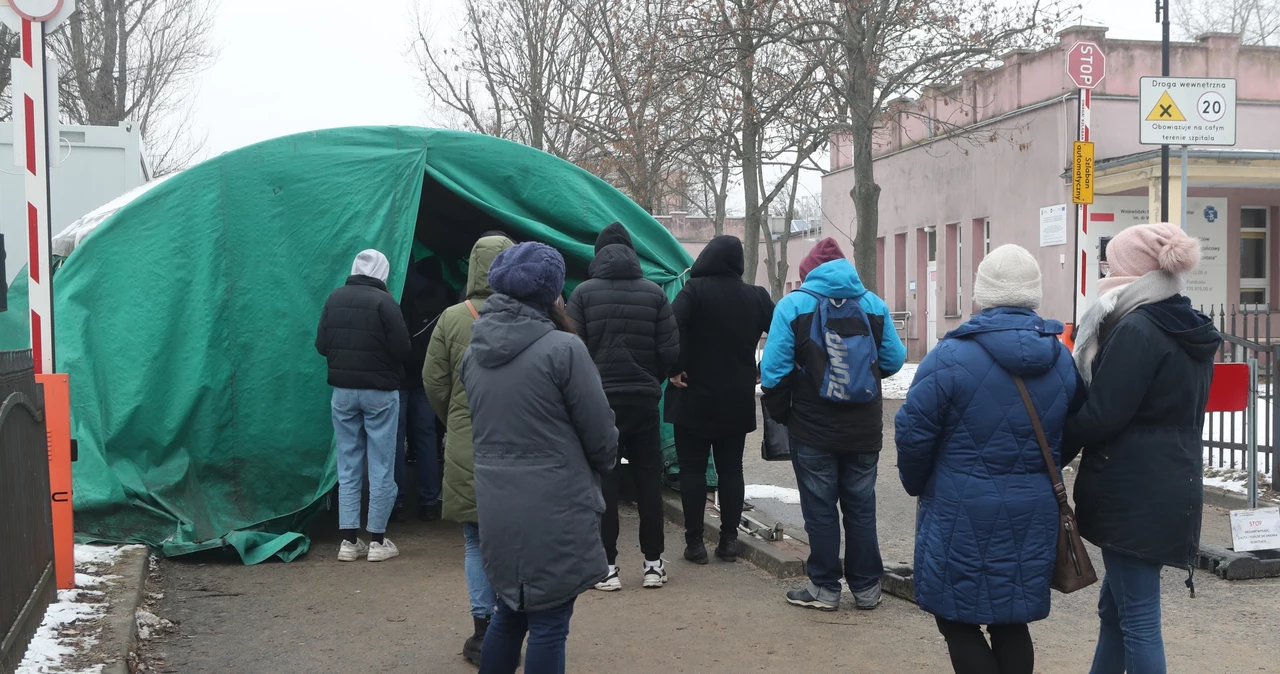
{"type": "Point", "coordinates": [1072, 570]}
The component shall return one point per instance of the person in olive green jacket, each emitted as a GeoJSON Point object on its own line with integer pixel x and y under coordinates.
{"type": "Point", "coordinates": [444, 389]}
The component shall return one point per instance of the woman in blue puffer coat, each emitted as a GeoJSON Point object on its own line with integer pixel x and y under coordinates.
{"type": "Point", "coordinates": [987, 525]}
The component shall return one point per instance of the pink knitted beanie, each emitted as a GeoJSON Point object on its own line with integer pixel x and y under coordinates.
{"type": "Point", "coordinates": [1142, 249]}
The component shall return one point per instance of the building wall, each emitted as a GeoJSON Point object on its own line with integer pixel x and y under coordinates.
{"type": "Point", "coordinates": [99, 163]}
{"type": "Point", "coordinates": [1011, 165]}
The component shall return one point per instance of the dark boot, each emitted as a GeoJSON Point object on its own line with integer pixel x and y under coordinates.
{"type": "Point", "coordinates": [728, 549]}
{"type": "Point", "coordinates": [471, 649]}
{"type": "Point", "coordinates": [429, 513]}
{"type": "Point", "coordinates": [696, 552]}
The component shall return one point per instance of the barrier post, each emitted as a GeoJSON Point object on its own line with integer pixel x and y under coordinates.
{"type": "Point", "coordinates": [1251, 431]}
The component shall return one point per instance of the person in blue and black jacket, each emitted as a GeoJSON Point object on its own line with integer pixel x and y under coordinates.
{"type": "Point", "coordinates": [835, 447]}
{"type": "Point", "coordinates": [987, 525]}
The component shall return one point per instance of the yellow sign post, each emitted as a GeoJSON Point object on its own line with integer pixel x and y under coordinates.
{"type": "Point", "coordinates": [1082, 173]}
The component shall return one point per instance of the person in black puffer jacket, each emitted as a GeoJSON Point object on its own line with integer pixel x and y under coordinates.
{"type": "Point", "coordinates": [364, 338]}
{"type": "Point", "coordinates": [425, 297]}
{"type": "Point", "coordinates": [1147, 358]}
{"type": "Point", "coordinates": [712, 398]}
{"type": "Point", "coordinates": [633, 338]}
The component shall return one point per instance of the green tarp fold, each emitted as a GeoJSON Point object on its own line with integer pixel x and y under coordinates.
{"type": "Point", "coordinates": [186, 321]}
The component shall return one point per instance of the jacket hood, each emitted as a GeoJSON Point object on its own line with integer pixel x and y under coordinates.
{"type": "Point", "coordinates": [836, 279]}
{"type": "Point", "coordinates": [614, 233]}
{"type": "Point", "coordinates": [1193, 331]}
{"type": "Point", "coordinates": [615, 261]}
{"type": "Point", "coordinates": [482, 256]}
{"type": "Point", "coordinates": [723, 256]}
{"type": "Point", "coordinates": [371, 263]}
{"type": "Point", "coordinates": [1017, 339]}
{"type": "Point", "coordinates": [505, 329]}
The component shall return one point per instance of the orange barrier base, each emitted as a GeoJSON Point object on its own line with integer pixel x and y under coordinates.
{"type": "Point", "coordinates": [57, 419]}
{"type": "Point", "coordinates": [1066, 336]}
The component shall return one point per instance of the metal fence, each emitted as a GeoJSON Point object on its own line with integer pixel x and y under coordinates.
{"type": "Point", "coordinates": [27, 584]}
{"type": "Point", "coordinates": [1247, 334]}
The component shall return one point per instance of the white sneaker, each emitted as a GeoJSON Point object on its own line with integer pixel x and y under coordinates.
{"type": "Point", "coordinates": [350, 552]}
{"type": "Point", "coordinates": [611, 582]}
{"type": "Point", "coordinates": [655, 576]}
{"type": "Point", "coordinates": [381, 552]}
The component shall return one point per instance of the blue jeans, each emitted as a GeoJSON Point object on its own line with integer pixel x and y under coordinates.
{"type": "Point", "coordinates": [832, 484]}
{"type": "Point", "coordinates": [483, 599]}
{"type": "Point", "coordinates": [364, 430]}
{"type": "Point", "coordinates": [418, 424]}
{"type": "Point", "coordinates": [547, 630]}
{"type": "Point", "coordinates": [1129, 639]}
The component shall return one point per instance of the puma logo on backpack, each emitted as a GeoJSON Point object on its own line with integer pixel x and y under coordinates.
{"type": "Point", "coordinates": [842, 329]}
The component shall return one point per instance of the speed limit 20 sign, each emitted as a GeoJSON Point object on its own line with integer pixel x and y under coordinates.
{"type": "Point", "coordinates": [1188, 111]}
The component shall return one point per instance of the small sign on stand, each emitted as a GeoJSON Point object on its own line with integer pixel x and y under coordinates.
{"type": "Point", "coordinates": [1257, 529]}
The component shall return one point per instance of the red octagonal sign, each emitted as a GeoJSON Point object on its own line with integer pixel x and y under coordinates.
{"type": "Point", "coordinates": [1086, 65]}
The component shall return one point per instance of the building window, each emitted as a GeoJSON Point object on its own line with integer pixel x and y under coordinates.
{"type": "Point", "coordinates": [986, 237]}
{"type": "Point", "coordinates": [931, 244]}
{"type": "Point", "coordinates": [953, 282]}
{"type": "Point", "coordinates": [900, 271]}
{"type": "Point", "coordinates": [880, 265]}
{"type": "Point", "coordinates": [1254, 265]}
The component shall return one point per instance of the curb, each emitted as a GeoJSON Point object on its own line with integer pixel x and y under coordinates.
{"type": "Point", "coordinates": [120, 626]}
{"type": "Point", "coordinates": [1230, 500]}
{"type": "Point", "coordinates": [782, 559]}
{"type": "Point", "coordinates": [1231, 565]}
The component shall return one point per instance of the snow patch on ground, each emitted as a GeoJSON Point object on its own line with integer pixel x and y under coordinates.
{"type": "Point", "coordinates": [773, 493]}
{"type": "Point", "coordinates": [895, 387]}
{"type": "Point", "coordinates": [69, 628]}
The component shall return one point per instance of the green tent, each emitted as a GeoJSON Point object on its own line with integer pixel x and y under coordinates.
{"type": "Point", "coordinates": [187, 318]}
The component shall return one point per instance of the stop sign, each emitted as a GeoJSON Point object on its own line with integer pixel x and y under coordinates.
{"type": "Point", "coordinates": [1086, 65]}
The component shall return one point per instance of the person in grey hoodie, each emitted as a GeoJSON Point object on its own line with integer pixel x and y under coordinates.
{"type": "Point", "coordinates": [543, 437]}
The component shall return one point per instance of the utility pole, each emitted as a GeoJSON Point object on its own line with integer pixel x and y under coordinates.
{"type": "Point", "coordinates": [1162, 15]}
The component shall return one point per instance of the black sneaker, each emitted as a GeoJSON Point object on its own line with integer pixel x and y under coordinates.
{"type": "Point", "coordinates": [696, 553]}
{"type": "Point", "coordinates": [804, 599]}
{"type": "Point", "coordinates": [397, 515]}
{"type": "Point", "coordinates": [728, 550]}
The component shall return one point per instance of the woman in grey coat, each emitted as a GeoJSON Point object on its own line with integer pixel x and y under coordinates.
{"type": "Point", "coordinates": [544, 435]}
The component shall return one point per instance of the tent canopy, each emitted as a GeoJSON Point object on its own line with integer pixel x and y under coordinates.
{"type": "Point", "coordinates": [186, 318]}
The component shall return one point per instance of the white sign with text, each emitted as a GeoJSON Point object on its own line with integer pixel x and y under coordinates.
{"type": "Point", "coordinates": [1053, 226]}
{"type": "Point", "coordinates": [1255, 529]}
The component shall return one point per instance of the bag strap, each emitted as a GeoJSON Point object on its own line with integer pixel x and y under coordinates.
{"type": "Point", "coordinates": [1059, 490]}
{"type": "Point", "coordinates": [472, 308]}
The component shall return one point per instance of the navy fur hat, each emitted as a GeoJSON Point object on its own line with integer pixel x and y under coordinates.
{"type": "Point", "coordinates": [530, 272]}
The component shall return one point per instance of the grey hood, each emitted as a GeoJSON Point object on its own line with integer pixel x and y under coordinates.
{"type": "Point", "coordinates": [506, 328]}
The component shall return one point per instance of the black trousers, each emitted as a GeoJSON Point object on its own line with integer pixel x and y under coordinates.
{"type": "Point", "coordinates": [1010, 651]}
{"type": "Point", "coordinates": [640, 442]}
{"type": "Point", "coordinates": [693, 449]}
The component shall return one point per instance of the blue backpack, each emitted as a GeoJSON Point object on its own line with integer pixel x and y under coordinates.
{"type": "Point", "coordinates": [843, 331]}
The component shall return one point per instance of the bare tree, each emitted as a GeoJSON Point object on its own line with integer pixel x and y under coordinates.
{"type": "Point", "coordinates": [876, 51]}
{"type": "Point", "coordinates": [135, 60]}
{"type": "Point", "coordinates": [1257, 22]}
{"type": "Point", "coordinates": [640, 119]}
{"type": "Point", "coordinates": [780, 100]}
{"type": "Point", "coordinates": [515, 69]}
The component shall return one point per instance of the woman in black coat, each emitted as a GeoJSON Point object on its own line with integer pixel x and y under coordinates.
{"type": "Point", "coordinates": [1147, 358]}
{"type": "Point", "coordinates": [712, 397]}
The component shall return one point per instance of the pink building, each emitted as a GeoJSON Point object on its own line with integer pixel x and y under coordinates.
{"type": "Point", "coordinates": [986, 162]}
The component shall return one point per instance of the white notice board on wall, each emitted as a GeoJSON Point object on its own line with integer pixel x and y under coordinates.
{"type": "Point", "coordinates": [1053, 225]}
{"type": "Point", "coordinates": [1206, 219]}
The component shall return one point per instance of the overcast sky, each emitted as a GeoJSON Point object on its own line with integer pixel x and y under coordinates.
{"type": "Point", "coordinates": [287, 66]}
{"type": "Point", "coordinates": [296, 65]}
